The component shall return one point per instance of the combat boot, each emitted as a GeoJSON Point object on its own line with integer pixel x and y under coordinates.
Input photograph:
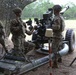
{"type": "Point", "coordinates": [55, 65]}
{"type": "Point", "coordinates": [60, 60]}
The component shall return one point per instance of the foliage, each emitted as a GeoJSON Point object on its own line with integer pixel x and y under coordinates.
{"type": "Point", "coordinates": [37, 9]}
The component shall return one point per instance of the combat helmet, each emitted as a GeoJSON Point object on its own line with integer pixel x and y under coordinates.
{"type": "Point", "coordinates": [17, 10]}
{"type": "Point", "coordinates": [57, 8]}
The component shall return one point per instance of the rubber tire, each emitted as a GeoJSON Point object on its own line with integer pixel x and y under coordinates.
{"type": "Point", "coordinates": [70, 37]}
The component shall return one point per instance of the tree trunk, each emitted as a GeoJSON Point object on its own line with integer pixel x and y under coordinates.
{"type": "Point", "coordinates": [6, 13]}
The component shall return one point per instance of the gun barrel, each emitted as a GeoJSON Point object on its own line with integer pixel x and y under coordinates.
{"type": "Point", "coordinates": [65, 9]}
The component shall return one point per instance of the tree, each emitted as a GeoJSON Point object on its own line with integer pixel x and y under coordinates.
{"type": "Point", "coordinates": [36, 9]}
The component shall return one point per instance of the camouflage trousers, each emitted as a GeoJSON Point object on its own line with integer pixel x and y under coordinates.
{"type": "Point", "coordinates": [57, 42]}
{"type": "Point", "coordinates": [18, 42]}
{"type": "Point", "coordinates": [56, 46]}
{"type": "Point", "coordinates": [21, 46]}
{"type": "Point", "coordinates": [29, 46]}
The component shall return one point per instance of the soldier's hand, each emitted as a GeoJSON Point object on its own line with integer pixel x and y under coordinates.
{"type": "Point", "coordinates": [35, 27]}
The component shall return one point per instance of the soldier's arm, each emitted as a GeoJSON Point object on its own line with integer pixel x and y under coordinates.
{"type": "Point", "coordinates": [29, 32]}
{"type": "Point", "coordinates": [13, 27]}
{"type": "Point", "coordinates": [56, 25]}
{"type": "Point", "coordinates": [24, 24]}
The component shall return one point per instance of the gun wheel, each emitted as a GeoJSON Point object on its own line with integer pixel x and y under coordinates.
{"type": "Point", "coordinates": [70, 37]}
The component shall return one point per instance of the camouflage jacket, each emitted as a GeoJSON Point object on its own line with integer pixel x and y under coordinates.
{"type": "Point", "coordinates": [58, 24]}
{"type": "Point", "coordinates": [17, 28]}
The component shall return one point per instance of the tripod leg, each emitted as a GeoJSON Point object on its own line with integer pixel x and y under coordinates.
{"type": "Point", "coordinates": [72, 61]}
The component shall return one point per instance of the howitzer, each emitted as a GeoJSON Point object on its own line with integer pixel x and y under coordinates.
{"type": "Point", "coordinates": [46, 22]}
{"type": "Point", "coordinates": [49, 16]}
{"type": "Point", "coordinates": [17, 65]}
{"type": "Point", "coordinates": [65, 9]}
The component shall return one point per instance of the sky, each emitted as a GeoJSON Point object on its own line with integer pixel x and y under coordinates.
{"type": "Point", "coordinates": [62, 2]}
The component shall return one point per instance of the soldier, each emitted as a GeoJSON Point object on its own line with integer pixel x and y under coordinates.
{"type": "Point", "coordinates": [29, 23]}
{"type": "Point", "coordinates": [58, 27]}
{"type": "Point", "coordinates": [2, 36]}
{"type": "Point", "coordinates": [18, 30]}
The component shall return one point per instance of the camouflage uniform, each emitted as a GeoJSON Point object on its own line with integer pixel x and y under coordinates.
{"type": "Point", "coordinates": [18, 30]}
{"type": "Point", "coordinates": [2, 36]}
{"type": "Point", "coordinates": [58, 27]}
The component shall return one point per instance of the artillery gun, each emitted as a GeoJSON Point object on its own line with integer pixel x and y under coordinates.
{"type": "Point", "coordinates": [46, 22]}
{"type": "Point", "coordinates": [17, 65]}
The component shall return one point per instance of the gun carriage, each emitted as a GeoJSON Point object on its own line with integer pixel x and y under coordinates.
{"type": "Point", "coordinates": [17, 65]}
